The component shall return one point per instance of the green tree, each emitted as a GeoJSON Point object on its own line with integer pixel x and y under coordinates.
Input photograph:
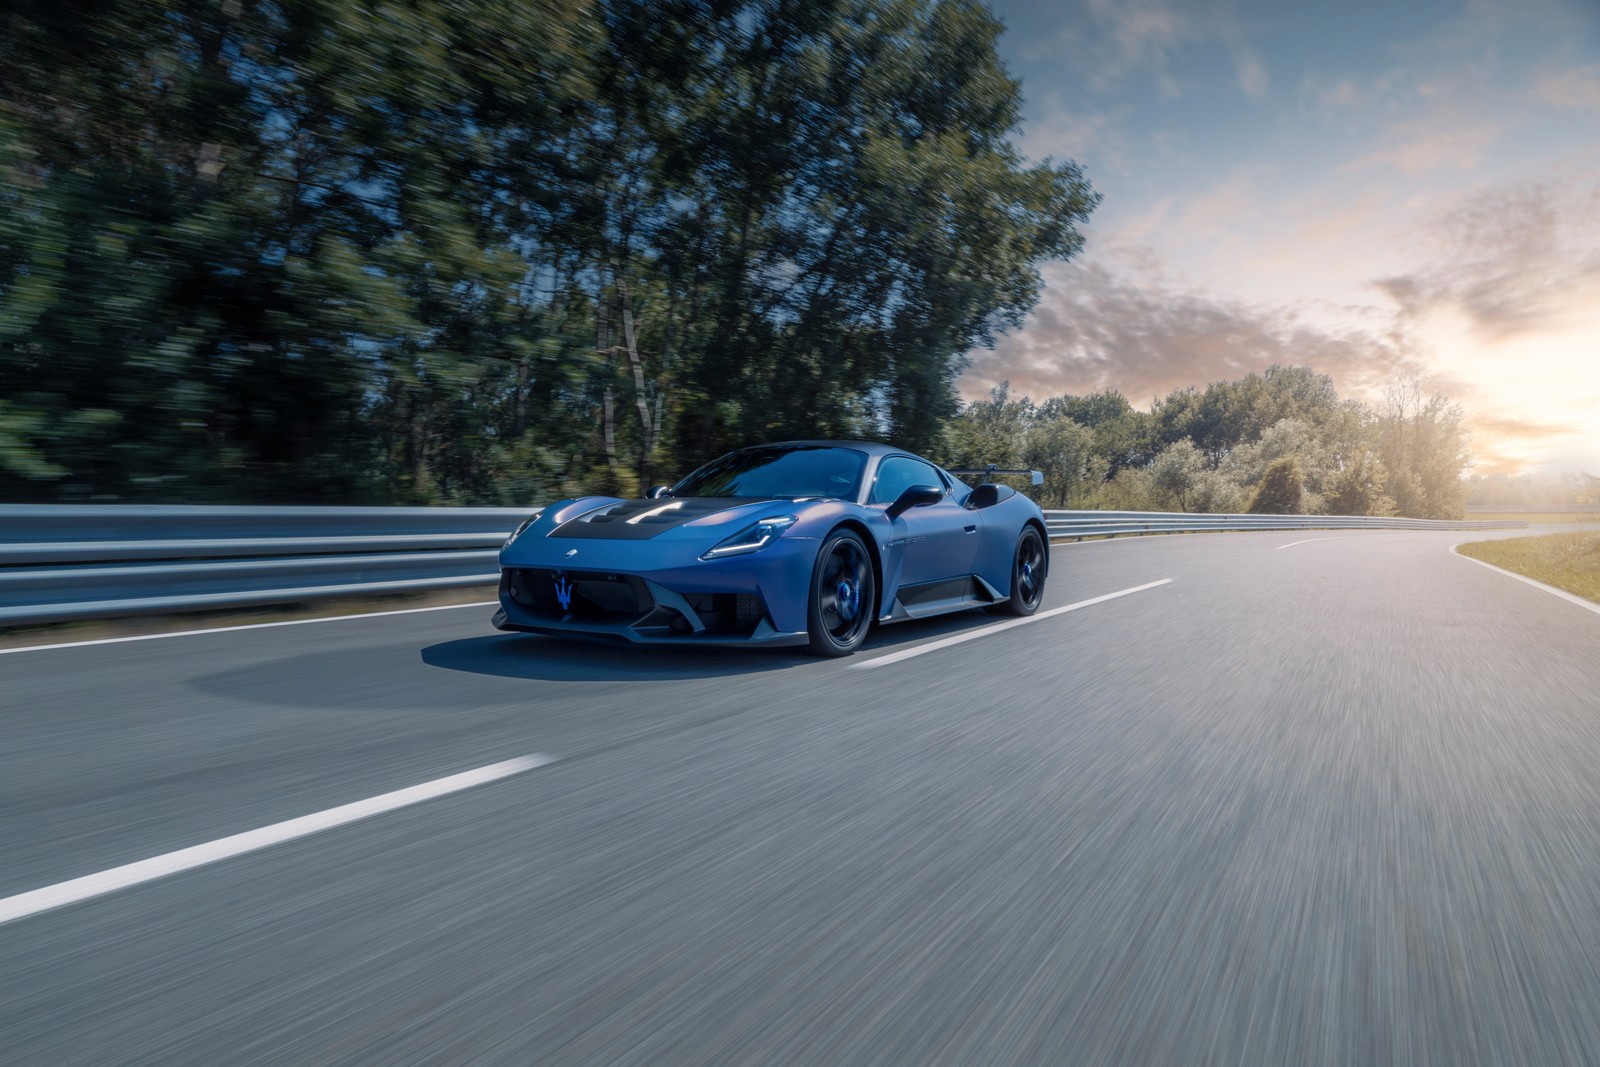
{"type": "Point", "coordinates": [262, 251]}
{"type": "Point", "coordinates": [1176, 472]}
{"type": "Point", "coordinates": [1422, 444]}
{"type": "Point", "coordinates": [862, 219]}
{"type": "Point", "coordinates": [1214, 492]}
{"type": "Point", "coordinates": [988, 431]}
{"type": "Point", "coordinates": [1361, 488]}
{"type": "Point", "coordinates": [1247, 464]}
{"type": "Point", "coordinates": [1063, 452]}
{"type": "Point", "coordinates": [458, 250]}
{"type": "Point", "coordinates": [1130, 489]}
{"type": "Point", "coordinates": [1281, 490]}
{"type": "Point", "coordinates": [1123, 437]}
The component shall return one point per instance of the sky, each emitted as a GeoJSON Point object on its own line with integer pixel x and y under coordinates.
{"type": "Point", "coordinates": [1373, 190]}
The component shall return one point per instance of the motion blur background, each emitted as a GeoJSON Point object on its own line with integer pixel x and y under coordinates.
{"type": "Point", "coordinates": [460, 251]}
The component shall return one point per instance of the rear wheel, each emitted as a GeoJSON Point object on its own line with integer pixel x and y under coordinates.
{"type": "Point", "coordinates": [1028, 569]}
{"type": "Point", "coordinates": [842, 595]}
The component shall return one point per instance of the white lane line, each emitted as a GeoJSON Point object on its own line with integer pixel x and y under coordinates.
{"type": "Point", "coordinates": [1588, 605]}
{"type": "Point", "coordinates": [246, 626]}
{"type": "Point", "coordinates": [93, 885]}
{"type": "Point", "coordinates": [934, 646]}
{"type": "Point", "coordinates": [1308, 540]}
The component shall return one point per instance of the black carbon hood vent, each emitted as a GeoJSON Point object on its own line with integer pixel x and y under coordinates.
{"type": "Point", "coordinates": [640, 520]}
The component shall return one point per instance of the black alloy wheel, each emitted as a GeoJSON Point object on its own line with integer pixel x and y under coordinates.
{"type": "Point", "coordinates": [1028, 572]}
{"type": "Point", "coordinates": [843, 592]}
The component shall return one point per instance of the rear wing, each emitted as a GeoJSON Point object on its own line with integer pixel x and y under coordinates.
{"type": "Point", "coordinates": [986, 474]}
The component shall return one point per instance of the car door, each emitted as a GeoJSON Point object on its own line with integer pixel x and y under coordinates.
{"type": "Point", "coordinates": [935, 542]}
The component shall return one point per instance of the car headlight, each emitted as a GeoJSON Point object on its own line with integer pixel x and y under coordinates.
{"type": "Point", "coordinates": [527, 522]}
{"type": "Point", "coordinates": [752, 538]}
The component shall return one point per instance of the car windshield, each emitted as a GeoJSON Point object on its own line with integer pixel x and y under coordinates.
{"type": "Point", "coordinates": [793, 472]}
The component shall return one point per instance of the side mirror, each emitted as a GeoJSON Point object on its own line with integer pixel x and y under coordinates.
{"type": "Point", "coordinates": [915, 496]}
{"type": "Point", "coordinates": [658, 491]}
{"type": "Point", "coordinates": [1036, 477]}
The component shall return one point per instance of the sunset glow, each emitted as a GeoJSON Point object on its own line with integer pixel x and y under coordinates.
{"type": "Point", "coordinates": [1370, 191]}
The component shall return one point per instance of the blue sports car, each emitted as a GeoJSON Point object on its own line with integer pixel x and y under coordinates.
{"type": "Point", "coordinates": [797, 543]}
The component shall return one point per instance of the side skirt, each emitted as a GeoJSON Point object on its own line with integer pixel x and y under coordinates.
{"type": "Point", "coordinates": [941, 597]}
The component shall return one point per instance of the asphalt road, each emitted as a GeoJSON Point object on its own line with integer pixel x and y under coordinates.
{"type": "Point", "coordinates": [1332, 803]}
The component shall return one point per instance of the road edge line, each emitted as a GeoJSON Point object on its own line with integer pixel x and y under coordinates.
{"type": "Point", "coordinates": [1582, 602]}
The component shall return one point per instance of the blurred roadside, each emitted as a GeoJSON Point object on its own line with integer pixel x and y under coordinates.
{"type": "Point", "coordinates": [1538, 516]}
{"type": "Point", "coordinates": [59, 633]}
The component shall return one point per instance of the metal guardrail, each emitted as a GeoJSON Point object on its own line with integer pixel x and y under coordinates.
{"type": "Point", "coordinates": [62, 563]}
{"type": "Point", "coordinates": [1063, 524]}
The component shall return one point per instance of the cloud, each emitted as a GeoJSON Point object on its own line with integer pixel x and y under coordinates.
{"type": "Point", "coordinates": [1523, 429]}
{"type": "Point", "coordinates": [1576, 88]}
{"type": "Point", "coordinates": [1505, 445]}
{"type": "Point", "coordinates": [1427, 203]}
{"type": "Point", "coordinates": [1124, 323]}
{"type": "Point", "coordinates": [1144, 336]}
{"type": "Point", "coordinates": [1355, 96]}
{"type": "Point", "coordinates": [1222, 207]}
{"type": "Point", "coordinates": [1135, 229]}
{"type": "Point", "coordinates": [1422, 151]}
{"type": "Point", "coordinates": [1249, 68]}
{"type": "Point", "coordinates": [1139, 35]}
{"type": "Point", "coordinates": [1055, 131]}
{"type": "Point", "coordinates": [1409, 293]}
{"type": "Point", "coordinates": [1339, 96]}
{"type": "Point", "coordinates": [1110, 43]}
{"type": "Point", "coordinates": [1252, 73]}
{"type": "Point", "coordinates": [1506, 288]}
{"type": "Point", "coordinates": [1515, 259]}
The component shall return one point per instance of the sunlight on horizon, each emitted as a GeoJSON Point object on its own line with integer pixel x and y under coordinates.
{"type": "Point", "coordinates": [1411, 192]}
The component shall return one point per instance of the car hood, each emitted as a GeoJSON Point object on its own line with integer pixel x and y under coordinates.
{"type": "Point", "coordinates": [641, 520]}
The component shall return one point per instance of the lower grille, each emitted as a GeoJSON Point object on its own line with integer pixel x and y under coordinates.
{"type": "Point", "coordinates": [591, 595]}
{"type": "Point", "coordinates": [568, 597]}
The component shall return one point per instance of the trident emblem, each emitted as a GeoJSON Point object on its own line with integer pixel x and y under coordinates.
{"type": "Point", "coordinates": [564, 591]}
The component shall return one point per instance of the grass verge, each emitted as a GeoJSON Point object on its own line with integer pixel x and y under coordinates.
{"type": "Point", "coordinates": [1569, 561]}
{"type": "Point", "coordinates": [1536, 518]}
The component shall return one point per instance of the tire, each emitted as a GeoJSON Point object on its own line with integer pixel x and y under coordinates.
{"type": "Point", "coordinates": [843, 591]}
{"type": "Point", "coordinates": [1029, 568]}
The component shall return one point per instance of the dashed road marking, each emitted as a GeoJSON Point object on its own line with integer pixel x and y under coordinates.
{"type": "Point", "coordinates": [934, 646]}
{"type": "Point", "coordinates": [185, 859]}
{"type": "Point", "coordinates": [246, 626]}
{"type": "Point", "coordinates": [1308, 540]}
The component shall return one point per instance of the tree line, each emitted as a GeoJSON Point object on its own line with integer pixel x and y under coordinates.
{"type": "Point", "coordinates": [1570, 490]}
{"type": "Point", "coordinates": [1279, 442]}
{"type": "Point", "coordinates": [469, 251]}
{"type": "Point", "coordinates": [463, 251]}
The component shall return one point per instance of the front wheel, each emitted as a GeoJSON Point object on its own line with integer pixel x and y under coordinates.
{"type": "Point", "coordinates": [1028, 570]}
{"type": "Point", "coordinates": [842, 595]}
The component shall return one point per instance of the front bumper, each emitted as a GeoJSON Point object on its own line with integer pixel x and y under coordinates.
{"type": "Point", "coordinates": [754, 600]}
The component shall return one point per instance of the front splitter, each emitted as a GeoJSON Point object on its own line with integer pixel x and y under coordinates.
{"type": "Point", "coordinates": [764, 635]}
